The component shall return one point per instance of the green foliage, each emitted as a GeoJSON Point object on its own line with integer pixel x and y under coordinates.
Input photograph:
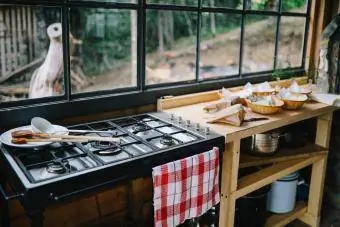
{"type": "Point", "coordinates": [289, 4]}
{"type": "Point", "coordinates": [106, 33]}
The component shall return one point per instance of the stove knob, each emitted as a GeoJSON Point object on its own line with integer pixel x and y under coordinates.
{"type": "Point", "coordinates": [197, 127]}
{"type": "Point", "coordinates": [188, 123]}
{"type": "Point", "coordinates": [172, 116]}
{"type": "Point", "coordinates": [180, 120]}
{"type": "Point", "coordinates": [207, 130]}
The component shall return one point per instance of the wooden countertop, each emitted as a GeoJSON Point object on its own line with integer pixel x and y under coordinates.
{"type": "Point", "coordinates": [196, 114]}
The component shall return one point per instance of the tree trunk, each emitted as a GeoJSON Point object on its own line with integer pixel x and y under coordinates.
{"type": "Point", "coordinates": [171, 28]}
{"type": "Point", "coordinates": [212, 19]}
{"type": "Point", "coordinates": [160, 33]}
{"type": "Point", "coordinates": [133, 47]}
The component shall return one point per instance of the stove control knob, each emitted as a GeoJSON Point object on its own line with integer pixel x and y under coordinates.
{"type": "Point", "coordinates": [207, 130]}
{"type": "Point", "coordinates": [188, 123]}
{"type": "Point", "coordinates": [180, 120]}
{"type": "Point", "coordinates": [197, 127]}
{"type": "Point", "coordinates": [172, 116]}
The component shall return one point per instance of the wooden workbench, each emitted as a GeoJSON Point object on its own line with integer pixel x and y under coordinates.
{"type": "Point", "coordinates": [285, 162]}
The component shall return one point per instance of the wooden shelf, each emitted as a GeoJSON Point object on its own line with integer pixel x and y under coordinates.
{"type": "Point", "coordinates": [268, 175]}
{"type": "Point", "coordinates": [286, 161]}
{"type": "Point", "coordinates": [310, 150]}
{"type": "Point", "coordinates": [280, 220]}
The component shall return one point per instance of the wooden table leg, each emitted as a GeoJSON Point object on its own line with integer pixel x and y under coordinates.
{"type": "Point", "coordinates": [323, 132]}
{"type": "Point", "coordinates": [230, 163]}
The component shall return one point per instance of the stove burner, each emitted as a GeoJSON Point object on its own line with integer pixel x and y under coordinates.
{"type": "Point", "coordinates": [139, 127]}
{"type": "Point", "coordinates": [104, 145]}
{"type": "Point", "coordinates": [167, 140]}
{"type": "Point", "coordinates": [56, 168]}
{"type": "Point", "coordinates": [108, 152]}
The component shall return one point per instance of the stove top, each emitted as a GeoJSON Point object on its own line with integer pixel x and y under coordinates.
{"type": "Point", "coordinates": [139, 135]}
{"type": "Point", "coordinates": [60, 170]}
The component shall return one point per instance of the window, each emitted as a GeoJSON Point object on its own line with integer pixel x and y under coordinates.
{"type": "Point", "coordinates": [80, 51]}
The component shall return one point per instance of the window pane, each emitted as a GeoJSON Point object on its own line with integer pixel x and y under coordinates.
{"type": "Point", "coordinates": [223, 3]}
{"type": "Point", "coordinates": [220, 45]}
{"type": "Point", "coordinates": [268, 5]}
{"type": "Point", "coordinates": [259, 43]}
{"type": "Point", "coordinates": [118, 1]}
{"type": "Point", "coordinates": [292, 30]}
{"type": "Point", "coordinates": [103, 49]}
{"type": "Point", "coordinates": [174, 2]}
{"type": "Point", "coordinates": [170, 46]}
{"type": "Point", "coordinates": [294, 6]}
{"type": "Point", "coordinates": [31, 52]}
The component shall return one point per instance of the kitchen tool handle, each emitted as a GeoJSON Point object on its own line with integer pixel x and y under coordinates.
{"type": "Point", "coordinates": [9, 197]}
{"type": "Point", "coordinates": [88, 131]}
{"type": "Point", "coordinates": [84, 190]}
{"type": "Point", "coordinates": [278, 136]}
{"type": "Point", "coordinates": [95, 138]}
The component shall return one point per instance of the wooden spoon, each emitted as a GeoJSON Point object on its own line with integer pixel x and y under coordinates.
{"type": "Point", "coordinates": [35, 140]}
{"type": "Point", "coordinates": [30, 135]}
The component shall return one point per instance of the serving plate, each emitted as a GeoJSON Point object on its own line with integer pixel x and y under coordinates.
{"type": "Point", "coordinates": [6, 137]}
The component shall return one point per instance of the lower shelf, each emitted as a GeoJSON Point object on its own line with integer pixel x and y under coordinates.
{"type": "Point", "coordinates": [285, 154]}
{"type": "Point", "coordinates": [278, 220]}
{"type": "Point", "coordinates": [270, 174]}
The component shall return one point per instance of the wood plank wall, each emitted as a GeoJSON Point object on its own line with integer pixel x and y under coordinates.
{"type": "Point", "coordinates": [18, 35]}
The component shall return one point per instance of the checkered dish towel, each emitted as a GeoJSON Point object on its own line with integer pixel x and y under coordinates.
{"type": "Point", "coordinates": [186, 188]}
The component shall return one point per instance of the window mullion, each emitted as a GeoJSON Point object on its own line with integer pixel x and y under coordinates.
{"type": "Point", "coordinates": [141, 44]}
{"type": "Point", "coordinates": [243, 22]}
{"type": "Point", "coordinates": [198, 40]}
{"type": "Point", "coordinates": [277, 38]}
{"type": "Point", "coordinates": [66, 55]}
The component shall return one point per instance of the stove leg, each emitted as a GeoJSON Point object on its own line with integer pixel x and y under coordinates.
{"type": "Point", "coordinates": [36, 218]}
{"type": "Point", "coordinates": [5, 220]}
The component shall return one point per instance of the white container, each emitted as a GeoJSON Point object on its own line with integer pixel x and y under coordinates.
{"type": "Point", "coordinates": [282, 195]}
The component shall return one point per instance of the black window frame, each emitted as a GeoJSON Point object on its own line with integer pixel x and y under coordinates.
{"type": "Point", "coordinates": [70, 105]}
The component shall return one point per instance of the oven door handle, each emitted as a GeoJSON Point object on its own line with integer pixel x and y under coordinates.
{"type": "Point", "coordinates": [9, 197]}
{"type": "Point", "coordinates": [88, 189]}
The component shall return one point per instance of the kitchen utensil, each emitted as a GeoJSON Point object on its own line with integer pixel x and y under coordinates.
{"type": "Point", "coordinates": [291, 104]}
{"type": "Point", "coordinates": [282, 194]}
{"type": "Point", "coordinates": [263, 93]}
{"type": "Point", "coordinates": [34, 140]}
{"type": "Point", "coordinates": [295, 136]}
{"type": "Point", "coordinates": [264, 109]}
{"type": "Point", "coordinates": [49, 136]}
{"type": "Point", "coordinates": [256, 119]}
{"type": "Point", "coordinates": [44, 126]}
{"type": "Point", "coordinates": [6, 138]}
{"type": "Point", "coordinates": [251, 209]}
{"type": "Point", "coordinates": [262, 144]}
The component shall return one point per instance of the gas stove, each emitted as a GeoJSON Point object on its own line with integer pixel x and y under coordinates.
{"type": "Point", "coordinates": [60, 171]}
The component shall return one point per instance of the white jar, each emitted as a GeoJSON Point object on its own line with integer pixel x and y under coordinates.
{"type": "Point", "coordinates": [282, 195]}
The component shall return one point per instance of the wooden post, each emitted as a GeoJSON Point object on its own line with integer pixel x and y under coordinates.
{"type": "Point", "coordinates": [323, 132]}
{"type": "Point", "coordinates": [30, 39]}
{"type": "Point", "coordinates": [2, 44]}
{"type": "Point", "coordinates": [8, 51]}
{"type": "Point", "coordinates": [316, 26]}
{"type": "Point", "coordinates": [14, 38]}
{"type": "Point", "coordinates": [230, 165]}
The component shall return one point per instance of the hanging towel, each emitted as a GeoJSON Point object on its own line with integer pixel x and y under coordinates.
{"type": "Point", "coordinates": [185, 188]}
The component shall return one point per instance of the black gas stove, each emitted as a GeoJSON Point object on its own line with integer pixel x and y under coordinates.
{"type": "Point", "coordinates": [62, 171]}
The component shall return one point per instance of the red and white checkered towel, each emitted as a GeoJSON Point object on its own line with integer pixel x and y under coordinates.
{"type": "Point", "coordinates": [185, 188]}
